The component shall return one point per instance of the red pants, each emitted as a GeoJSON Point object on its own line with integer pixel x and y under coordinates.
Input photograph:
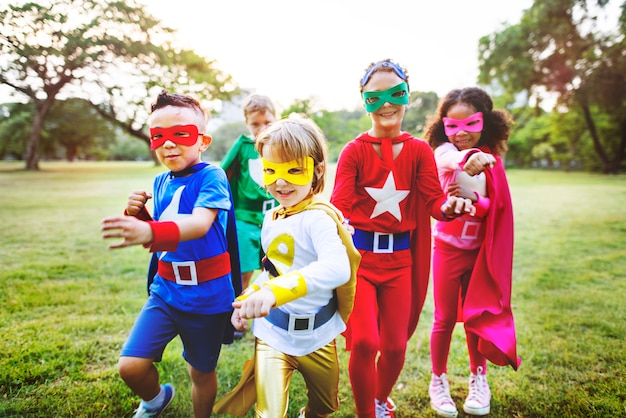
{"type": "Point", "coordinates": [378, 324]}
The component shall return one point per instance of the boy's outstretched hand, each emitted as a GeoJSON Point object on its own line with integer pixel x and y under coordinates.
{"type": "Point", "coordinates": [131, 229]}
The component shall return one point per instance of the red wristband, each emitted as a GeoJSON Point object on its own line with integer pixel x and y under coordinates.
{"type": "Point", "coordinates": [166, 236]}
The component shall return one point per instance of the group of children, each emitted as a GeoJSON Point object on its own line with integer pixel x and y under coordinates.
{"type": "Point", "coordinates": [358, 265]}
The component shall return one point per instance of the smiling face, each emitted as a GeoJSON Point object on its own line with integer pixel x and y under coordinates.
{"type": "Point", "coordinates": [174, 155]}
{"type": "Point", "coordinates": [286, 193]}
{"type": "Point", "coordinates": [387, 119]}
{"type": "Point", "coordinates": [463, 139]}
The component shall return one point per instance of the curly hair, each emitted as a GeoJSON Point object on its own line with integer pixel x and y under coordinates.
{"type": "Point", "coordinates": [496, 122]}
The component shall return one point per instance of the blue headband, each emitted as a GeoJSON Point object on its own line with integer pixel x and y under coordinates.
{"type": "Point", "coordinates": [386, 64]}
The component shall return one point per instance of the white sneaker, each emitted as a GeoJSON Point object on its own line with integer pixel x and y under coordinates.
{"type": "Point", "coordinates": [479, 397]}
{"type": "Point", "coordinates": [440, 399]}
{"type": "Point", "coordinates": [301, 415]}
{"type": "Point", "coordinates": [385, 409]}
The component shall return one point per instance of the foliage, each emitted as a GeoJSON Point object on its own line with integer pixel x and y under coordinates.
{"type": "Point", "coordinates": [223, 139]}
{"type": "Point", "coordinates": [15, 121]}
{"type": "Point", "coordinates": [339, 127]}
{"type": "Point", "coordinates": [68, 302]}
{"type": "Point", "coordinates": [422, 105]}
{"type": "Point", "coordinates": [72, 130]}
{"type": "Point", "coordinates": [559, 50]}
{"type": "Point", "coordinates": [112, 53]}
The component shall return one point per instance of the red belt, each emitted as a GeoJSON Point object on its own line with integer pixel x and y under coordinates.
{"type": "Point", "coordinates": [194, 272]}
{"type": "Point", "coordinates": [462, 229]}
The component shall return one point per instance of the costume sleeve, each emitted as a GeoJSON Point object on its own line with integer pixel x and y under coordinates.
{"type": "Point", "coordinates": [482, 205]}
{"type": "Point", "coordinates": [332, 267]}
{"type": "Point", "coordinates": [448, 157]}
{"type": "Point", "coordinates": [428, 182]}
{"type": "Point", "coordinates": [214, 191]}
{"type": "Point", "coordinates": [345, 180]}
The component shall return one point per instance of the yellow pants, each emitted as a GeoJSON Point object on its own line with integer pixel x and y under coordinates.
{"type": "Point", "coordinates": [274, 369]}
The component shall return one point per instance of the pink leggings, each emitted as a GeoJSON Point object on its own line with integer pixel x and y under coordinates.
{"type": "Point", "coordinates": [451, 271]}
{"type": "Point", "coordinates": [379, 323]}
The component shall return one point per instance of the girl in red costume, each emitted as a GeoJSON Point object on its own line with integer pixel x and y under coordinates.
{"type": "Point", "coordinates": [472, 256]}
{"type": "Point", "coordinates": [386, 185]}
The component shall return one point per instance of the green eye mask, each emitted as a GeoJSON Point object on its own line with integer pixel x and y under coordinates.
{"type": "Point", "coordinates": [397, 95]}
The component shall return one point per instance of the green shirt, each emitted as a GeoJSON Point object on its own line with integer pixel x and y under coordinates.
{"type": "Point", "coordinates": [244, 168]}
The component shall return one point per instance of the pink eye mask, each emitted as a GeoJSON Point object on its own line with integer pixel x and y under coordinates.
{"type": "Point", "coordinates": [473, 123]}
{"type": "Point", "coordinates": [180, 134]}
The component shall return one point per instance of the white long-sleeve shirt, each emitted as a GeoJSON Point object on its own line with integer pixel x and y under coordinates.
{"type": "Point", "coordinates": [309, 243]}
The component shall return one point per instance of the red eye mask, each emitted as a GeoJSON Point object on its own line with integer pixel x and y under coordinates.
{"type": "Point", "coordinates": [180, 134]}
{"type": "Point", "coordinates": [473, 123]}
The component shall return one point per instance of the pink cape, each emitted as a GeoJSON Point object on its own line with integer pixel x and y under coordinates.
{"type": "Point", "coordinates": [487, 305]}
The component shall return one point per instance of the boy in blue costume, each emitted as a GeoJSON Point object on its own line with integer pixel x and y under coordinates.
{"type": "Point", "coordinates": [193, 289]}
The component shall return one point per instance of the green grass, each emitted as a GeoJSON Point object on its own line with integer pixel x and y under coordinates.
{"type": "Point", "coordinates": [67, 302]}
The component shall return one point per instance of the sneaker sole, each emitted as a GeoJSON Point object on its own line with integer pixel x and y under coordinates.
{"type": "Point", "coordinates": [476, 411]}
{"type": "Point", "coordinates": [443, 413]}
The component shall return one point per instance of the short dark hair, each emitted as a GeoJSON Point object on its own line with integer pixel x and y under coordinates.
{"type": "Point", "coordinates": [180, 100]}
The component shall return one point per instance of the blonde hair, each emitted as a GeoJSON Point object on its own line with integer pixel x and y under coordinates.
{"type": "Point", "coordinates": [257, 103]}
{"type": "Point", "coordinates": [296, 138]}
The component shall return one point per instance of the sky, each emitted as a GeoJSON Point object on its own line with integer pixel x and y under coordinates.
{"type": "Point", "coordinates": [319, 49]}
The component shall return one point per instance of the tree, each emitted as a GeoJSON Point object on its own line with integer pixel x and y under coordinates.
{"type": "Point", "coordinates": [112, 53]}
{"type": "Point", "coordinates": [423, 105]}
{"type": "Point", "coordinates": [559, 49]}
{"type": "Point", "coordinates": [77, 128]}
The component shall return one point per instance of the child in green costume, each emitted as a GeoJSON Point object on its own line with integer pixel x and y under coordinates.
{"type": "Point", "coordinates": [244, 169]}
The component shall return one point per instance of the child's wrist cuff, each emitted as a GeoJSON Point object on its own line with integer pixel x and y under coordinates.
{"type": "Point", "coordinates": [142, 215]}
{"type": "Point", "coordinates": [287, 287]}
{"type": "Point", "coordinates": [249, 290]}
{"type": "Point", "coordinates": [166, 236]}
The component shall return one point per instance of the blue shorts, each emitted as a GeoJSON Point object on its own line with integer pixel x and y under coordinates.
{"type": "Point", "coordinates": [158, 324]}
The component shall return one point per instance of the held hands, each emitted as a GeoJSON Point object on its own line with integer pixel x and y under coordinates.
{"type": "Point", "coordinates": [257, 304]}
{"type": "Point", "coordinates": [457, 206]}
{"type": "Point", "coordinates": [131, 229]}
{"type": "Point", "coordinates": [136, 201]}
{"type": "Point", "coordinates": [478, 162]}
{"type": "Point", "coordinates": [455, 189]}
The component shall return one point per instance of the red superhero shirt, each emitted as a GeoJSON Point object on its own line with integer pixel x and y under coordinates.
{"type": "Point", "coordinates": [392, 195]}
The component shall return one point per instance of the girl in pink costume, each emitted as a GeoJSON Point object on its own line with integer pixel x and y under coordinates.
{"type": "Point", "coordinates": [472, 255]}
{"type": "Point", "coordinates": [386, 185]}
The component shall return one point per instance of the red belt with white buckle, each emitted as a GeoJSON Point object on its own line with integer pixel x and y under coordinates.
{"type": "Point", "coordinates": [194, 272]}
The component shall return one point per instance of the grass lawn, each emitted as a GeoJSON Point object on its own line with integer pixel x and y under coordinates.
{"type": "Point", "coordinates": [67, 302]}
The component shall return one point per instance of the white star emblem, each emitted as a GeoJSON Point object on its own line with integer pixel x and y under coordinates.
{"type": "Point", "coordinates": [170, 213]}
{"type": "Point", "coordinates": [388, 198]}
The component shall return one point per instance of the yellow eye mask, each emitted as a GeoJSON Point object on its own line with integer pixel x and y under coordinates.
{"type": "Point", "coordinates": [291, 171]}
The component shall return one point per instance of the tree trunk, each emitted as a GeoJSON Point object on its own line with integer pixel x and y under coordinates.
{"type": "Point", "coordinates": [608, 166]}
{"type": "Point", "coordinates": [32, 152]}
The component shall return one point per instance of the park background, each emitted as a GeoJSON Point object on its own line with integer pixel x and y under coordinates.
{"type": "Point", "coordinates": [80, 76]}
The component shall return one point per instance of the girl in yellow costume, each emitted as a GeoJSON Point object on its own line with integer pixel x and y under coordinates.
{"type": "Point", "coordinates": [303, 297]}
